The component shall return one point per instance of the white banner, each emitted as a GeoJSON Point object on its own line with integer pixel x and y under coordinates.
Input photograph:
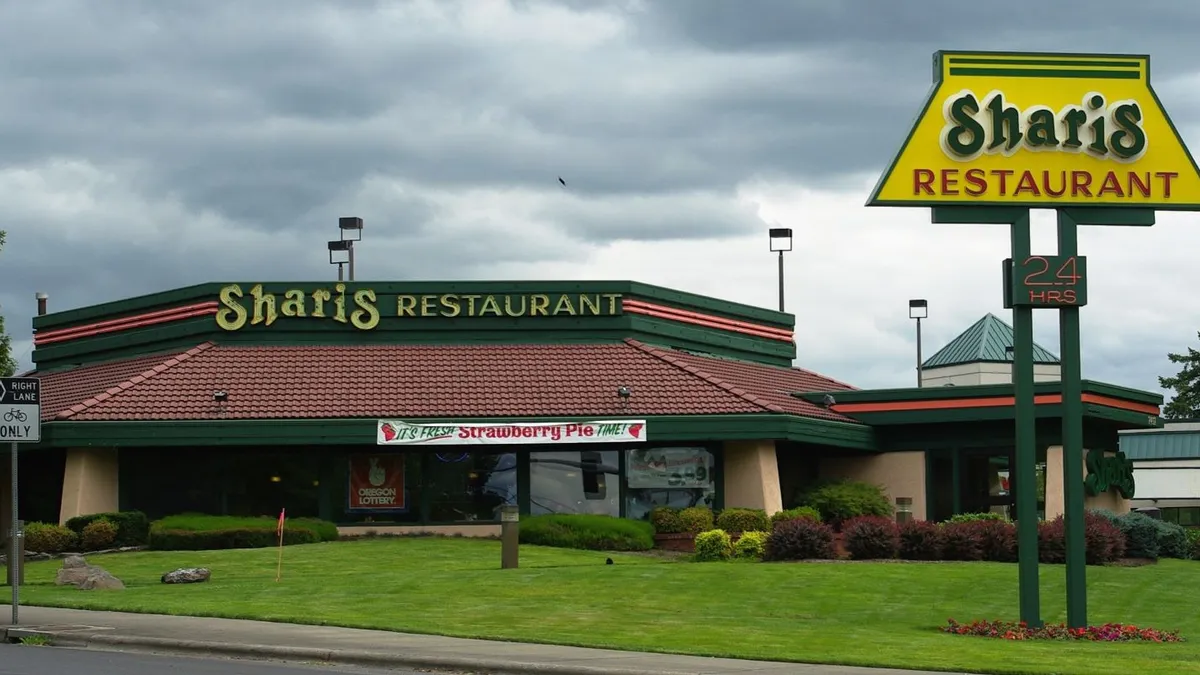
{"type": "Point", "coordinates": [398, 432]}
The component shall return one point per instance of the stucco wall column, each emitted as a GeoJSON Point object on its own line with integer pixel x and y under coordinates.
{"type": "Point", "coordinates": [752, 476]}
{"type": "Point", "coordinates": [90, 483]}
{"type": "Point", "coordinates": [1056, 504]}
{"type": "Point", "coordinates": [902, 474]}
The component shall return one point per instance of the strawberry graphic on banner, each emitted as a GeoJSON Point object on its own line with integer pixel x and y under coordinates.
{"type": "Point", "coordinates": [399, 432]}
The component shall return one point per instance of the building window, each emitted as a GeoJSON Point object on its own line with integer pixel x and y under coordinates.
{"type": "Point", "coordinates": [676, 477]}
{"type": "Point", "coordinates": [468, 486]}
{"type": "Point", "coordinates": [1187, 516]}
{"type": "Point", "coordinates": [584, 481]}
{"type": "Point", "coordinates": [379, 487]}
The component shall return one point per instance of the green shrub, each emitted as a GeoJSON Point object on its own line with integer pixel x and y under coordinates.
{"type": "Point", "coordinates": [197, 522]}
{"type": "Point", "coordinates": [162, 539]}
{"type": "Point", "coordinates": [713, 545]}
{"type": "Point", "coordinates": [840, 501]}
{"type": "Point", "coordinates": [133, 528]}
{"type": "Point", "coordinates": [98, 535]}
{"type": "Point", "coordinates": [800, 539]}
{"type": "Point", "coordinates": [743, 520]}
{"type": "Point", "coordinates": [1193, 537]}
{"type": "Point", "coordinates": [975, 517]}
{"type": "Point", "coordinates": [666, 520]}
{"type": "Point", "coordinates": [792, 514]}
{"type": "Point", "coordinates": [1141, 535]}
{"type": "Point", "coordinates": [920, 540]}
{"type": "Point", "coordinates": [48, 538]}
{"type": "Point", "coordinates": [751, 546]}
{"type": "Point", "coordinates": [1172, 540]}
{"type": "Point", "coordinates": [587, 531]}
{"type": "Point", "coordinates": [696, 519]}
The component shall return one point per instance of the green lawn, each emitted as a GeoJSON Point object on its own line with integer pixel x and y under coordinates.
{"type": "Point", "coordinates": [873, 614]}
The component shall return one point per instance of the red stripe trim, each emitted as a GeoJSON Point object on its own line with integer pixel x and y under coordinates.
{"type": "Point", "coordinates": [990, 402]}
{"type": "Point", "coordinates": [125, 323]}
{"type": "Point", "coordinates": [707, 320]}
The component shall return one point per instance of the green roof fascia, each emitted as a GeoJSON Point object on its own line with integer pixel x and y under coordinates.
{"type": "Point", "coordinates": [977, 391]}
{"type": "Point", "coordinates": [361, 431]}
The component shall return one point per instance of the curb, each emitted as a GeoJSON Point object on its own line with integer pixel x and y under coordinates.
{"type": "Point", "coordinates": [332, 656]}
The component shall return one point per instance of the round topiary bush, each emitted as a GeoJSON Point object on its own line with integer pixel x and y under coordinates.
{"type": "Point", "coordinates": [800, 539]}
{"type": "Point", "coordinates": [98, 535]}
{"type": "Point", "coordinates": [751, 546]}
{"type": "Point", "coordinates": [696, 519]}
{"type": "Point", "coordinates": [1172, 540]}
{"type": "Point", "coordinates": [871, 538]}
{"type": "Point", "coordinates": [1141, 535]}
{"type": "Point", "coordinates": [666, 520]}
{"type": "Point", "coordinates": [713, 545]}
{"type": "Point", "coordinates": [743, 520]}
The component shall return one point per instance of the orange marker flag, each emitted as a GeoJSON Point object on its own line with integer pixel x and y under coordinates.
{"type": "Point", "coordinates": [279, 532]}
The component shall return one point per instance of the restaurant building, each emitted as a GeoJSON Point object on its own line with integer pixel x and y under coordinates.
{"type": "Point", "coordinates": [428, 405]}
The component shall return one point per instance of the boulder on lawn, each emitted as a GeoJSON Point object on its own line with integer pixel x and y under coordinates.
{"type": "Point", "coordinates": [187, 575]}
{"type": "Point", "coordinates": [78, 573]}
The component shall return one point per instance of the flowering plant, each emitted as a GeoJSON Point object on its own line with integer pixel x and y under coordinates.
{"type": "Point", "coordinates": [1109, 632]}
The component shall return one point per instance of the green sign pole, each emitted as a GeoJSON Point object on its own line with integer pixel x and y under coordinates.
{"type": "Point", "coordinates": [1072, 438]}
{"type": "Point", "coordinates": [1026, 469]}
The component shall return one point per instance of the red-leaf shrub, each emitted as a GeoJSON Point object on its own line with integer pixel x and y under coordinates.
{"type": "Point", "coordinates": [962, 541]}
{"type": "Point", "coordinates": [920, 540]}
{"type": "Point", "coordinates": [799, 539]}
{"type": "Point", "coordinates": [1109, 632]}
{"type": "Point", "coordinates": [1052, 549]}
{"type": "Point", "coordinates": [1105, 540]}
{"type": "Point", "coordinates": [871, 538]}
{"type": "Point", "coordinates": [997, 538]}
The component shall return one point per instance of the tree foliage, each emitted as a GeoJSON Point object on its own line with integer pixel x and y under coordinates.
{"type": "Point", "coordinates": [8, 365]}
{"type": "Point", "coordinates": [1185, 384]}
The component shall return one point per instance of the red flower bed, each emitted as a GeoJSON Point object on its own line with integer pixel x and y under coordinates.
{"type": "Point", "coordinates": [1109, 632]}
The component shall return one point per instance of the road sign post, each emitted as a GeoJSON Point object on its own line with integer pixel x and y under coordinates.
{"type": "Point", "coordinates": [1002, 133]}
{"type": "Point", "coordinates": [20, 422]}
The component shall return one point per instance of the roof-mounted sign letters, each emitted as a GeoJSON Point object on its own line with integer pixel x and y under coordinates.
{"type": "Point", "coordinates": [363, 307]}
{"type": "Point", "coordinates": [1041, 130]}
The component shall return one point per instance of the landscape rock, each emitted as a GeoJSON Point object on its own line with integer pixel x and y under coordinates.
{"type": "Point", "coordinates": [187, 575]}
{"type": "Point", "coordinates": [78, 573]}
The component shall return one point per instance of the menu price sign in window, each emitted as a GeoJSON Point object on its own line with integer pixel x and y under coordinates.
{"type": "Point", "coordinates": [665, 468]}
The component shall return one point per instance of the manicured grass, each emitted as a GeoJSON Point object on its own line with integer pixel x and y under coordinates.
{"type": "Point", "coordinates": [871, 614]}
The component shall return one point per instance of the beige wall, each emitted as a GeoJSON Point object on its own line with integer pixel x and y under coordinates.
{"type": "Point", "coordinates": [488, 530]}
{"type": "Point", "coordinates": [752, 476]}
{"type": "Point", "coordinates": [902, 474]}
{"type": "Point", "coordinates": [90, 483]}
{"type": "Point", "coordinates": [1055, 502]}
{"type": "Point", "coordinates": [967, 374]}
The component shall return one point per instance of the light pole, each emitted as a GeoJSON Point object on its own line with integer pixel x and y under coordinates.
{"type": "Point", "coordinates": [351, 229]}
{"type": "Point", "coordinates": [780, 240]}
{"type": "Point", "coordinates": [918, 309]}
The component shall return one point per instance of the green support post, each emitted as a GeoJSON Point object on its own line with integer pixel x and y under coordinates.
{"type": "Point", "coordinates": [1026, 437]}
{"type": "Point", "coordinates": [1072, 439]}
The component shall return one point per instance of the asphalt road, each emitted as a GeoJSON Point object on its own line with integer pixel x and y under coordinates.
{"type": "Point", "coordinates": [27, 660]}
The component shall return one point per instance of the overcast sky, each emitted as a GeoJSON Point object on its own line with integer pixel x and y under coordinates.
{"type": "Point", "coordinates": [151, 144]}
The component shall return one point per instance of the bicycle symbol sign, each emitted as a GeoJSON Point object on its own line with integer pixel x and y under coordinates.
{"type": "Point", "coordinates": [20, 410]}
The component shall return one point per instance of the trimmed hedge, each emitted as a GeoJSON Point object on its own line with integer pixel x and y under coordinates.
{"type": "Point", "coordinates": [696, 519]}
{"type": "Point", "coordinates": [49, 538]}
{"type": "Point", "coordinates": [587, 531]}
{"type": "Point", "coordinates": [921, 540]}
{"type": "Point", "coordinates": [666, 520]}
{"type": "Point", "coordinates": [1172, 540]}
{"type": "Point", "coordinates": [975, 517]}
{"type": "Point", "coordinates": [751, 545]}
{"type": "Point", "coordinates": [1193, 537]}
{"type": "Point", "coordinates": [197, 532]}
{"type": "Point", "coordinates": [871, 538]}
{"type": "Point", "coordinates": [798, 512]}
{"type": "Point", "coordinates": [98, 535]}
{"type": "Point", "coordinates": [133, 527]}
{"type": "Point", "coordinates": [743, 520]}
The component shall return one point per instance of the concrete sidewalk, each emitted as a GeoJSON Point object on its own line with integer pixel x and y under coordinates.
{"type": "Point", "coordinates": [346, 646]}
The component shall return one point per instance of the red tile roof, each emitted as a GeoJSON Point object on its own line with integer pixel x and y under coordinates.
{"type": "Point", "coordinates": [415, 381]}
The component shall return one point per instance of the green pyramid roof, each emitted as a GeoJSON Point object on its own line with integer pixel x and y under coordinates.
{"type": "Point", "coordinates": [984, 342]}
